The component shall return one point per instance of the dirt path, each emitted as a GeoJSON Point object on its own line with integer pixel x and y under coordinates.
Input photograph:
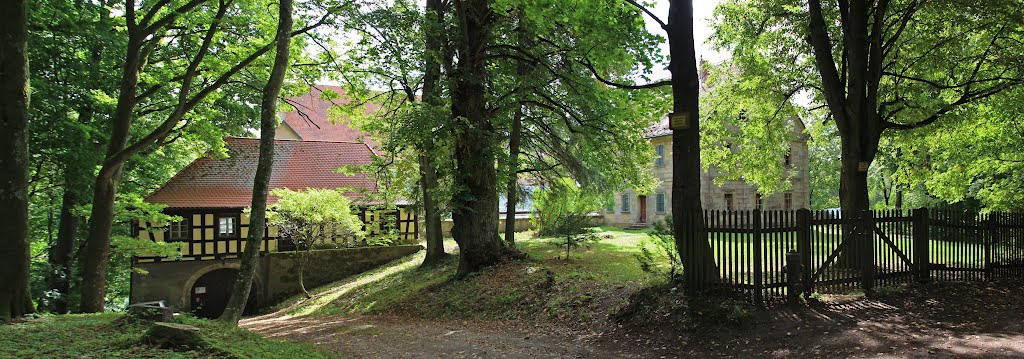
{"type": "Point", "coordinates": [392, 337]}
{"type": "Point", "coordinates": [944, 321]}
{"type": "Point", "coordinates": [950, 321]}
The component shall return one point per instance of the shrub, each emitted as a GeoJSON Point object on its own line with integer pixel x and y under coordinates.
{"type": "Point", "coordinates": [310, 216]}
{"type": "Point", "coordinates": [659, 247]}
{"type": "Point", "coordinates": [563, 200]}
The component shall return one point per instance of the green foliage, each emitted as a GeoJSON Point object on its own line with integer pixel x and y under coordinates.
{"type": "Point", "coordinates": [573, 229]}
{"type": "Point", "coordinates": [659, 248]}
{"type": "Point", "coordinates": [823, 150]}
{"type": "Point", "coordinates": [747, 131]}
{"type": "Point", "coordinates": [560, 203]}
{"type": "Point", "coordinates": [976, 158]}
{"type": "Point", "coordinates": [311, 215]}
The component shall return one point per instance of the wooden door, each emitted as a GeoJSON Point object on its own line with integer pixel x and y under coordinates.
{"type": "Point", "coordinates": [643, 208]}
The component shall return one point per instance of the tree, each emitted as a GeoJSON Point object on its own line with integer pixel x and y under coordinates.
{"type": "Point", "coordinates": [168, 103]}
{"type": "Point", "coordinates": [14, 115]}
{"type": "Point", "coordinates": [305, 217]}
{"type": "Point", "coordinates": [268, 126]}
{"type": "Point", "coordinates": [68, 120]}
{"type": "Point", "coordinates": [475, 211]}
{"type": "Point", "coordinates": [878, 67]}
{"type": "Point", "coordinates": [433, 30]}
{"type": "Point", "coordinates": [569, 124]}
{"type": "Point", "coordinates": [977, 158]}
{"type": "Point", "coordinates": [687, 212]}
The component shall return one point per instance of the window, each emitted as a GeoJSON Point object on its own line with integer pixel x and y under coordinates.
{"type": "Point", "coordinates": [787, 200]}
{"type": "Point", "coordinates": [611, 204]}
{"type": "Point", "coordinates": [660, 161]}
{"type": "Point", "coordinates": [625, 203]}
{"type": "Point", "coordinates": [760, 201]}
{"type": "Point", "coordinates": [179, 231]}
{"type": "Point", "coordinates": [227, 227]}
{"type": "Point", "coordinates": [659, 202]}
{"type": "Point", "coordinates": [789, 160]}
{"type": "Point", "coordinates": [729, 203]}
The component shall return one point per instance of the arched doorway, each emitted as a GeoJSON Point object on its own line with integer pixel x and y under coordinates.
{"type": "Point", "coordinates": [210, 293]}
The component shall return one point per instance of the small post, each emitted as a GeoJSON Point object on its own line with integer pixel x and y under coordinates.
{"type": "Point", "coordinates": [794, 268]}
{"type": "Point", "coordinates": [803, 246]}
{"type": "Point", "coordinates": [993, 231]}
{"type": "Point", "coordinates": [922, 268]}
{"type": "Point", "coordinates": [758, 281]}
{"type": "Point", "coordinates": [867, 235]}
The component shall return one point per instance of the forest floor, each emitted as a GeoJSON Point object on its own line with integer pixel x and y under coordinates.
{"type": "Point", "coordinates": [115, 335]}
{"type": "Point", "coordinates": [599, 304]}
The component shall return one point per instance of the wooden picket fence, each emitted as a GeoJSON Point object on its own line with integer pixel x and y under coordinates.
{"type": "Point", "coordinates": [772, 256]}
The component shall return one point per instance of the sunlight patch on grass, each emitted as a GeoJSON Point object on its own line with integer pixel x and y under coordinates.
{"type": "Point", "coordinates": [332, 293]}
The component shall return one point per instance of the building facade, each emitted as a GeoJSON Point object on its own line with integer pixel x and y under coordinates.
{"type": "Point", "coordinates": [632, 209]}
{"type": "Point", "coordinates": [210, 196]}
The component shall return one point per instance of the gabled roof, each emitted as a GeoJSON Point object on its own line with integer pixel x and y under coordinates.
{"type": "Point", "coordinates": [311, 120]}
{"type": "Point", "coordinates": [228, 183]}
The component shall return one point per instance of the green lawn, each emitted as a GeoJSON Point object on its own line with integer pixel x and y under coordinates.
{"type": "Point", "coordinates": [544, 284]}
{"type": "Point", "coordinates": [106, 336]}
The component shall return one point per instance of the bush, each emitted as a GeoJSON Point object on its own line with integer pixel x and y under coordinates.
{"type": "Point", "coordinates": [659, 247]}
{"type": "Point", "coordinates": [573, 230]}
{"type": "Point", "coordinates": [562, 201]}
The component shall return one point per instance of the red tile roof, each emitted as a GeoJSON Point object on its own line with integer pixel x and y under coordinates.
{"type": "Point", "coordinates": [228, 183]}
{"type": "Point", "coordinates": [311, 121]}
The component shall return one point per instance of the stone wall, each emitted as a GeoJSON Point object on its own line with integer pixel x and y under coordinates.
{"type": "Point", "coordinates": [276, 273]}
{"type": "Point", "coordinates": [324, 266]}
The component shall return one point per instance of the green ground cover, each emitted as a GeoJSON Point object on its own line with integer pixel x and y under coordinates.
{"type": "Point", "coordinates": [109, 336]}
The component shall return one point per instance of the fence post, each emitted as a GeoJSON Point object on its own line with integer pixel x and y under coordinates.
{"type": "Point", "coordinates": [922, 268]}
{"type": "Point", "coordinates": [758, 282]}
{"type": "Point", "coordinates": [993, 231]}
{"type": "Point", "coordinates": [793, 277]}
{"type": "Point", "coordinates": [867, 236]}
{"type": "Point", "coordinates": [803, 246]}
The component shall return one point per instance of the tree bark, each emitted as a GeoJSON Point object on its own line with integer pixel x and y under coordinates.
{"type": "Point", "coordinates": [431, 215]}
{"type": "Point", "coordinates": [101, 219]}
{"type": "Point", "coordinates": [261, 184]}
{"type": "Point", "coordinates": [475, 212]}
{"type": "Point", "coordinates": [60, 255]}
{"type": "Point", "coordinates": [687, 212]}
{"type": "Point", "coordinates": [428, 173]}
{"type": "Point", "coordinates": [514, 139]}
{"type": "Point", "coordinates": [855, 111]}
{"type": "Point", "coordinates": [14, 162]}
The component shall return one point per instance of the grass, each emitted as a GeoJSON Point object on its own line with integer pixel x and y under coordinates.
{"type": "Point", "coordinates": [592, 281]}
{"type": "Point", "coordinates": [108, 336]}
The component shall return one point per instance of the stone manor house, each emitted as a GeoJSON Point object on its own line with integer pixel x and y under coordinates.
{"type": "Point", "coordinates": [632, 209]}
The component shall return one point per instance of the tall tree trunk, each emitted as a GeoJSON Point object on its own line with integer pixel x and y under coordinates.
{"type": "Point", "coordinates": [428, 173]}
{"type": "Point", "coordinates": [101, 219]}
{"type": "Point", "coordinates": [431, 214]}
{"type": "Point", "coordinates": [514, 140]}
{"type": "Point", "coordinates": [60, 256]}
{"type": "Point", "coordinates": [14, 161]}
{"type": "Point", "coordinates": [261, 184]}
{"type": "Point", "coordinates": [475, 212]}
{"type": "Point", "coordinates": [687, 213]}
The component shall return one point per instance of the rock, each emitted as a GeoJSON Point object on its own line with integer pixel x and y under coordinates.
{"type": "Point", "coordinates": [154, 311]}
{"type": "Point", "coordinates": [174, 336]}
